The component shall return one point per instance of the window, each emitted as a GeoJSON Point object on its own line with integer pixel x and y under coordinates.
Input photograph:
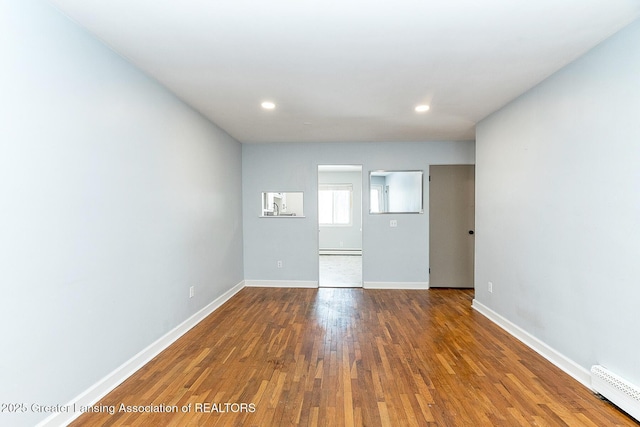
{"type": "Point", "coordinates": [334, 202]}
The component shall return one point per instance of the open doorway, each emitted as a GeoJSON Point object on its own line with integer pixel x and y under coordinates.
{"type": "Point", "coordinates": [340, 225]}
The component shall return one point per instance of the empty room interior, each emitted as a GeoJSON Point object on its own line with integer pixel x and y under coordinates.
{"type": "Point", "coordinates": [320, 213]}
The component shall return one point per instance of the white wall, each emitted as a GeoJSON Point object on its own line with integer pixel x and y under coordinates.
{"type": "Point", "coordinates": [390, 255]}
{"type": "Point", "coordinates": [404, 192]}
{"type": "Point", "coordinates": [115, 197]}
{"type": "Point", "coordinates": [558, 208]}
{"type": "Point", "coordinates": [294, 204]}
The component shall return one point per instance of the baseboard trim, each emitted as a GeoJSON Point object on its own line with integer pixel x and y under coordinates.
{"type": "Point", "coordinates": [100, 389]}
{"type": "Point", "coordinates": [281, 284]}
{"type": "Point", "coordinates": [396, 285]}
{"type": "Point", "coordinates": [570, 367]}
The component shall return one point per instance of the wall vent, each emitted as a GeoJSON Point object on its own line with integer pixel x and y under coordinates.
{"type": "Point", "coordinates": [617, 390]}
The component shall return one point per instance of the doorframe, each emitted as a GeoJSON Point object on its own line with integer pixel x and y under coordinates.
{"type": "Point", "coordinates": [346, 167]}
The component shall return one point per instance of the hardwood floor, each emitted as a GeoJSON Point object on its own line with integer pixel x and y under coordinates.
{"type": "Point", "coordinates": [353, 357]}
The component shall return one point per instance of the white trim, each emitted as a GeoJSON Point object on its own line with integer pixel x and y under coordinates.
{"type": "Point", "coordinates": [396, 285]}
{"type": "Point", "coordinates": [570, 367]}
{"type": "Point", "coordinates": [100, 389]}
{"type": "Point", "coordinates": [281, 283]}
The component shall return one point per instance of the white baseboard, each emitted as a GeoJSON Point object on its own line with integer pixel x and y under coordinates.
{"type": "Point", "coordinates": [570, 367]}
{"type": "Point", "coordinates": [96, 392]}
{"type": "Point", "coordinates": [396, 285]}
{"type": "Point", "coordinates": [281, 283]}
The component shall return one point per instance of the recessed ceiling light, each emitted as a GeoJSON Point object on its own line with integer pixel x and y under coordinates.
{"type": "Point", "coordinates": [267, 105]}
{"type": "Point", "coordinates": [422, 108]}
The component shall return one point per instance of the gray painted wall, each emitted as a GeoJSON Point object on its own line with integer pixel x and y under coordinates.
{"type": "Point", "coordinates": [115, 198]}
{"type": "Point", "coordinates": [350, 236]}
{"type": "Point", "coordinates": [558, 208]}
{"type": "Point", "coordinates": [389, 254]}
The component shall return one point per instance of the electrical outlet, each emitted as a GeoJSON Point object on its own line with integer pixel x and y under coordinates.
{"type": "Point", "coordinates": [192, 291]}
{"type": "Point", "coordinates": [279, 264]}
{"type": "Point", "coordinates": [490, 287]}
{"type": "Point", "coordinates": [393, 223]}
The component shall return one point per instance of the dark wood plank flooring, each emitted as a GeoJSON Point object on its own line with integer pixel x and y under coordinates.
{"type": "Point", "coordinates": [352, 357]}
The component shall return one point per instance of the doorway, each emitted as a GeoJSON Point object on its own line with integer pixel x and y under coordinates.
{"type": "Point", "coordinates": [340, 226]}
{"type": "Point", "coordinates": [451, 226]}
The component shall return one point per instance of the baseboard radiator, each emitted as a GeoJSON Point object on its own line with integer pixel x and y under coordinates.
{"type": "Point", "coordinates": [617, 390]}
{"type": "Point", "coordinates": [340, 251]}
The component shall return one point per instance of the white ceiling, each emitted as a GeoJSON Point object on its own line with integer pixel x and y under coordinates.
{"type": "Point", "coordinates": [350, 70]}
